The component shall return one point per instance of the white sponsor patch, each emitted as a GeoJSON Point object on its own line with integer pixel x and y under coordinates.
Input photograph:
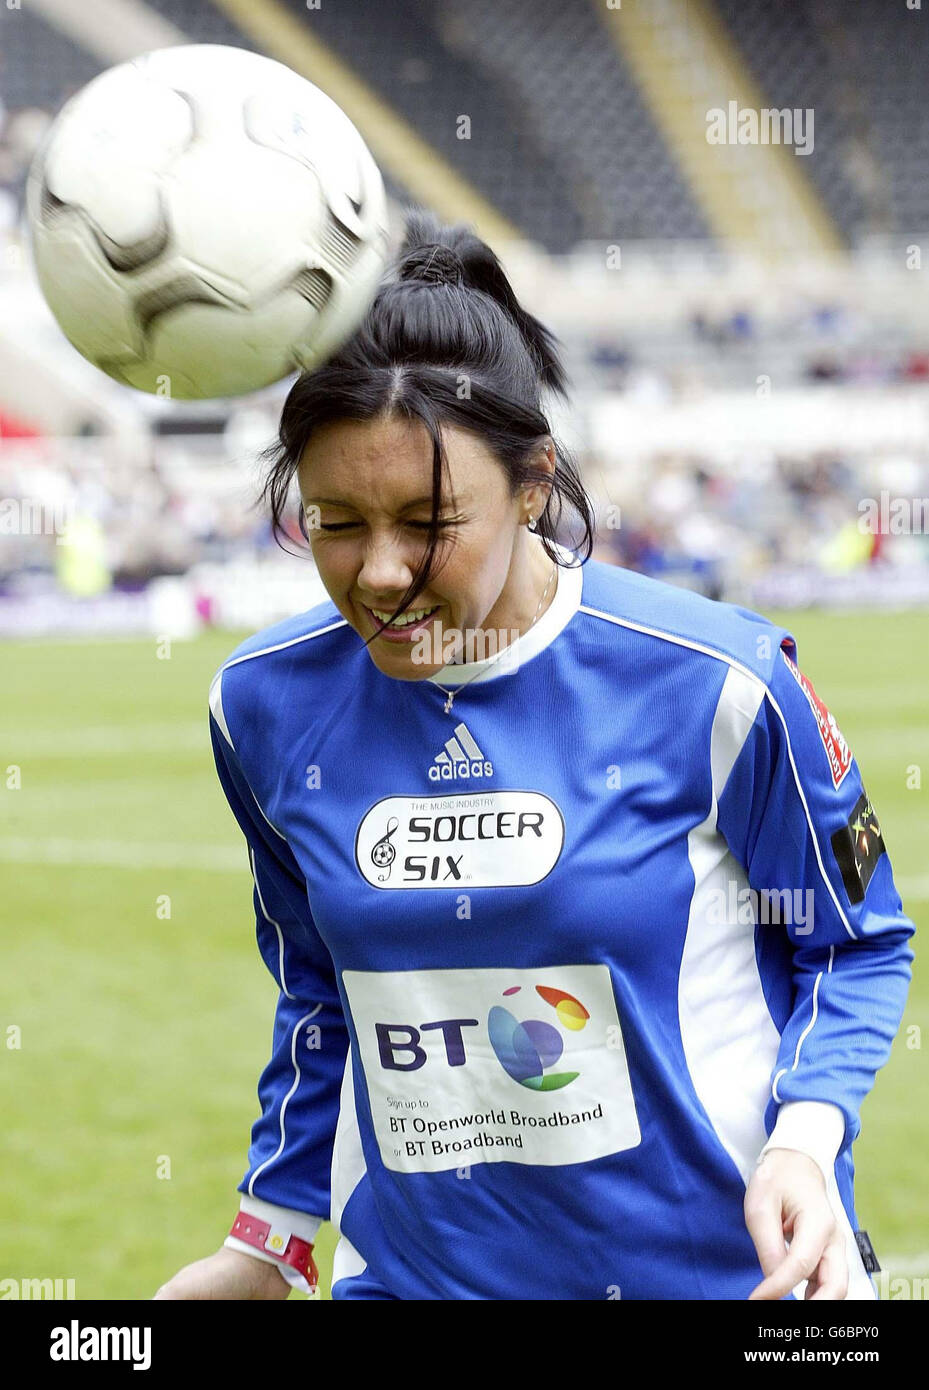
{"type": "Point", "coordinates": [493, 1066]}
{"type": "Point", "coordinates": [486, 839]}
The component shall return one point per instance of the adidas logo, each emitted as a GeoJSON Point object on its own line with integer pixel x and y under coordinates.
{"type": "Point", "coordinates": [460, 759]}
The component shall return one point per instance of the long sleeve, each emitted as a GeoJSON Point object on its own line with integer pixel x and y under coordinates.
{"type": "Point", "coordinates": [290, 1155]}
{"type": "Point", "coordinates": [795, 814]}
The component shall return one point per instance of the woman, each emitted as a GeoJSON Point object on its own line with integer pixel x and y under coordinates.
{"type": "Point", "coordinates": [587, 945]}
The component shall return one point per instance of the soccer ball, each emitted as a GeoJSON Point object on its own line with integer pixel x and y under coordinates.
{"type": "Point", "coordinates": [205, 221]}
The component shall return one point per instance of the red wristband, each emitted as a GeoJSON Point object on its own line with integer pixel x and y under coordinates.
{"type": "Point", "coordinates": [297, 1253]}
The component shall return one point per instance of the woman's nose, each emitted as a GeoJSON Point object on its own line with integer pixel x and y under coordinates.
{"type": "Point", "coordinates": [385, 568]}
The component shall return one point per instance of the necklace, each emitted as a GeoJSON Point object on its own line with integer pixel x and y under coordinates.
{"type": "Point", "coordinates": [450, 694]}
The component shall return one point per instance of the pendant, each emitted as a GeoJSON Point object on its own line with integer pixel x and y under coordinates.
{"type": "Point", "coordinates": [448, 704]}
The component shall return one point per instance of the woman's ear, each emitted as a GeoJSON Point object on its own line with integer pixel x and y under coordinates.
{"type": "Point", "coordinates": [537, 494]}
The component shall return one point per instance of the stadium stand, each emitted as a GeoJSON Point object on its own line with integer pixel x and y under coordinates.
{"type": "Point", "coordinates": [861, 68]}
{"type": "Point", "coordinates": [400, 54]}
{"type": "Point", "coordinates": [565, 144]}
{"type": "Point", "coordinates": [587, 111]}
{"type": "Point", "coordinates": [39, 66]}
{"type": "Point", "coordinates": [562, 140]}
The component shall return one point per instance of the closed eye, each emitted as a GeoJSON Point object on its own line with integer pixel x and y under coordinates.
{"type": "Point", "coordinates": [347, 525]}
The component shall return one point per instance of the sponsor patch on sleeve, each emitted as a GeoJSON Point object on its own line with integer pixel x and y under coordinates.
{"type": "Point", "coordinates": [857, 848]}
{"type": "Point", "coordinates": [837, 750]}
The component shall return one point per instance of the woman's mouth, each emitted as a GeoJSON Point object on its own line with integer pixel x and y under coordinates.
{"type": "Point", "coordinates": [405, 628]}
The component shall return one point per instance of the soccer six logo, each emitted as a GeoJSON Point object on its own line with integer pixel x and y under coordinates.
{"type": "Point", "coordinates": [489, 839]}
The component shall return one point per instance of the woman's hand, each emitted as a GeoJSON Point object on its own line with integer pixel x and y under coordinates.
{"type": "Point", "coordinates": [226, 1275]}
{"type": "Point", "coordinates": [786, 1200]}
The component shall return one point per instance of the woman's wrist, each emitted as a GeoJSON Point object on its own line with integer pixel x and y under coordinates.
{"type": "Point", "coordinates": [276, 1235]}
{"type": "Point", "coordinates": [814, 1128]}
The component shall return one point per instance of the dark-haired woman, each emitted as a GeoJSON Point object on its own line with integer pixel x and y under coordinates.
{"type": "Point", "coordinates": [587, 944]}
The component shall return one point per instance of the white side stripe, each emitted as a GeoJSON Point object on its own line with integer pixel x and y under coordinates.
{"type": "Point", "coordinates": [216, 706]}
{"type": "Point", "coordinates": [346, 1262]}
{"type": "Point", "coordinates": [296, 1065]}
{"type": "Point", "coordinates": [730, 1073]}
{"type": "Point", "coordinates": [729, 1066]}
{"type": "Point", "coordinates": [756, 680]}
{"type": "Point", "coordinates": [812, 1021]}
{"type": "Point", "coordinates": [348, 1160]}
{"type": "Point", "coordinates": [216, 702]}
{"type": "Point", "coordinates": [281, 646]}
{"type": "Point", "coordinates": [669, 637]}
{"type": "Point", "coordinates": [808, 1029]}
{"type": "Point", "coordinates": [348, 1169]}
{"type": "Point", "coordinates": [277, 832]}
{"type": "Point", "coordinates": [268, 918]}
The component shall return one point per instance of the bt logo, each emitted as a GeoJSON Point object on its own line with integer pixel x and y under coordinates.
{"type": "Point", "coordinates": [524, 1049]}
{"type": "Point", "coordinates": [388, 1046]}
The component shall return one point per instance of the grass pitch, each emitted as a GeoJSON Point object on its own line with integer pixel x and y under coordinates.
{"type": "Point", "coordinates": [127, 1107]}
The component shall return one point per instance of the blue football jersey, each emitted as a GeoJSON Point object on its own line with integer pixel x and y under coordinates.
{"type": "Point", "coordinates": [553, 964]}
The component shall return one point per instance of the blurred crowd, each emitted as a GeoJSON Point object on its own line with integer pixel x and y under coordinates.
{"type": "Point", "coordinates": [78, 519]}
{"type": "Point", "coordinates": [139, 522]}
{"type": "Point", "coordinates": [693, 522]}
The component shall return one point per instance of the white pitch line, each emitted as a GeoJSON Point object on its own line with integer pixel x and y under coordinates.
{"type": "Point", "coordinates": [117, 854]}
{"type": "Point", "coordinates": [75, 741]}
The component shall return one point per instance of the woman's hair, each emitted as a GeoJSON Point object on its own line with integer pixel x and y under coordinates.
{"type": "Point", "coordinates": [445, 342]}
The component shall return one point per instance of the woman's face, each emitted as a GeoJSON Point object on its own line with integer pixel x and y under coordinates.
{"type": "Point", "coordinates": [366, 487]}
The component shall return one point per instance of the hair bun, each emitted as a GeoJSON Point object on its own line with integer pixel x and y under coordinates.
{"type": "Point", "coordinates": [435, 264]}
{"type": "Point", "coordinates": [433, 253]}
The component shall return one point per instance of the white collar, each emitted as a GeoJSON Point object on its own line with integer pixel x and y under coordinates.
{"type": "Point", "coordinates": [564, 604]}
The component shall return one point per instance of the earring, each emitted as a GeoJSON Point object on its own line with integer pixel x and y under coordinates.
{"type": "Point", "coordinates": [532, 526]}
